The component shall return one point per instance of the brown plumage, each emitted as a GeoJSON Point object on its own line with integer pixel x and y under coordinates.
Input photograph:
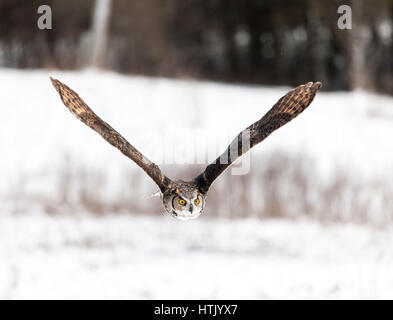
{"type": "Point", "coordinates": [286, 109]}
{"type": "Point", "coordinates": [80, 109]}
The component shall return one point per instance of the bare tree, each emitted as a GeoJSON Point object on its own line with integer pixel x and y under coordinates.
{"type": "Point", "coordinates": [360, 74]}
{"type": "Point", "coordinates": [100, 30]}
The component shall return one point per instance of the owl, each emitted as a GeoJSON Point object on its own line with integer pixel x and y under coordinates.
{"type": "Point", "coordinates": [187, 199]}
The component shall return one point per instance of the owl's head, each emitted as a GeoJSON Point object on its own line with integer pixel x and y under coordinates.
{"type": "Point", "coordinates": [184, 201]}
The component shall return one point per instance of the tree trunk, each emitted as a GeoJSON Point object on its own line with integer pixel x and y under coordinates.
{"type": "Point", "coordinates": [360, 74]}
{"type": "Point", "coordinates": [100, 32]}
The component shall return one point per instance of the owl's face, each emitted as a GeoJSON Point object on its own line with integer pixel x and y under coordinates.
{"type": "Point", "coordinates": [184, 204]}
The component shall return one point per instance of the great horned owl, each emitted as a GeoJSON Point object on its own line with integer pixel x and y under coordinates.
{"type": "Point", "coordinates": [186, 199]}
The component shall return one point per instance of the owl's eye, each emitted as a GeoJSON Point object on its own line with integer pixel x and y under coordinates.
{"type": "Point", "coordinates": [196, 201]}
{"type": "Point", "coordinates": [182, 202]}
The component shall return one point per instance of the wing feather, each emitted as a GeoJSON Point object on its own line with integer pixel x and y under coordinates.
{"type": "Point", "coordinates": [286, 109]}
{"type": "Point", "coordinates": [80, 109]}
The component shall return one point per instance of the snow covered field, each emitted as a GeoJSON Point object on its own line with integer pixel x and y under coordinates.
{"type": "Point", "coordinates": [79, 255]}
{"type": "Point", "coordinates": [174, 121]}
{"type": "Point", "coordinates": [342, 137]}
{"type": "Point", "coordinates": [162, 258]}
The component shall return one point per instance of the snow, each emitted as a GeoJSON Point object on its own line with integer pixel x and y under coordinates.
{"type": "Point", "coordinates": [127, 257]}
{"type": "Point", "coordinates": [350, 130]}
{"type": "Point", "coordinates": [185, 122]}
{"type": "Point", "coordinates": [182, 122]}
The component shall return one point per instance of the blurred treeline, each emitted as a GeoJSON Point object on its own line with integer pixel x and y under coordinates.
{"type": "Point", "coordinates": [275, 42]}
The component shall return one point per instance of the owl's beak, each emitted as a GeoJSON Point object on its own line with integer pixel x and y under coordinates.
{"type": "Point", "coordinates": [191, 208]}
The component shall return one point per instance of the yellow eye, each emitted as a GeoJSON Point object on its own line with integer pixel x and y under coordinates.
{"type": "Point", "coordinates": [182, 202]}
{"type": "Point", "coordinates": [196, 201]}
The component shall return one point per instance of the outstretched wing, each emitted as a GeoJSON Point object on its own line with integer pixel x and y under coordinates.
{"type": "Point", "coordinates": [80, 109]}
{"type": "Point", "coordinates": [286, 109]}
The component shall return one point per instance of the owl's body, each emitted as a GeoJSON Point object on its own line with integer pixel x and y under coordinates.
{"type": "Point", "coordinates": [186, 199]}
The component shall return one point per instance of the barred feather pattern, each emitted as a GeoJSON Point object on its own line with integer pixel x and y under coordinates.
{"type": "Point", "coordinates": [81, 110]}
{"type": "Point", "coordinates": [286, 109]}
